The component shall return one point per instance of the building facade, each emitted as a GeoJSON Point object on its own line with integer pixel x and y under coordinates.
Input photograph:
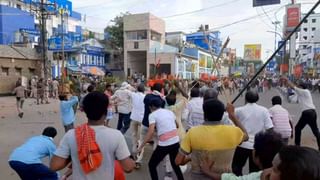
{"type": "Point", "coordinates": [140, 31]}
{"type": "Point", "coordinates": [309, 44]}
{"type": "Point", "coordinates": [199, 39]}
{"type": "Point", "coordinates": [17, 62]}
{"type": "Point", "coordinates": [19, 25]}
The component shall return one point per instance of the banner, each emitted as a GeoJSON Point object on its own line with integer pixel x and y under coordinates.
{"type": "Point", "coordinates": [293, 15]}
{"type": "Point", "coordinates": [316, 54]}
{"type": "Point", "coordinates": [202, 61]}
{"type": "Point", "coordinates": [265, 2]}
{"type": "Point", "coordinates": [252, 52]}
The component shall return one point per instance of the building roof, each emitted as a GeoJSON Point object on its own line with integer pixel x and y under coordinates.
{"type": "Point", "coordinates": [19, 52]}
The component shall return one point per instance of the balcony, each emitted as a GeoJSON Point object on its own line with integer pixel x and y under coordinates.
{"type": "Point", "coordinates": [136, 45]}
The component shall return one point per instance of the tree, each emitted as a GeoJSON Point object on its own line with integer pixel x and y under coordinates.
{"type": "Point", "coordinates": [115, 31]}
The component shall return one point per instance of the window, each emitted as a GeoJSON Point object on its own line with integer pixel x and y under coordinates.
{"type": "Point", "coordinates": [32, 71]}
{"type": "Point", "coordinates": [305, 29]}
{"type": "Point", "coordinates": [18, 71]}
{"type": "Point", "coordinates": [305, 37]}
{"type": "Point", "coordinates": [305, 21]}
{"type": "Point", "coordinates": [155, 36]}
{"type": "Point", "coordinates": [312, 37]}
{"type": "Point", "coordinates": [314, 20]}
{"type": "Point", "coordinates": [313, 29]}
{"type": "Point", "coordinates": [5, 71]}
{"type": "Point", "coordinates": [137, 35]}
{"type": "Point", "coordinates": [18, 6]}
{"type": "Point", "coordinates": [304, 46]}
{"type": "Point", "coordinates": [136, 45]}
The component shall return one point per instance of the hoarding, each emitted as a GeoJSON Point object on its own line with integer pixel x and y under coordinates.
{"type": "Point", "coordinates": [202, 60]}
{"type": "Point", "coordinates": [292, 17]}
{"type": "Point", "coordinates": [316, 54]}
{"type": "Point", "coordinates": [265, 2]}
{"type": "Point", "coordinates": [252, 52]}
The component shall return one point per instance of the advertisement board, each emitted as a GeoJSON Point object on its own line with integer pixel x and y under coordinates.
{"type": "Point", "coordinates": [292, 17]}
{"type": "Point", "coordinates": [60, 4]}
{"type": "Point", "coordinates": [202, 60]}
{"type": "Point", "coordinates": [252, 52]}
{"type": "Point", "coordinates": [265, 2]}
{"type": "Point", "coordinates": [316, 54]}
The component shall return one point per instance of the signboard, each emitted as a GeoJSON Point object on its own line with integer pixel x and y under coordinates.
{"type": "Point", "coordinates": [70, 40]}
{"type": "Point", "coordinates": [30, 31]}
{"type": "Point", "coordinates": [316, 54]}
{"type": "Point", "coordinates": [252, 52]}
{"type": "Point", "coordinates": [55, 43]}
{"type": "Point", "coordinates": [281, 52]}
{"type": "Point", "coordinates": [293, 15]}
{"type": "Point", "coordinates": [61, 4]}
{"type": "Point", "coordinates": [265, 2]}
{"type": "Point", "coordinates": [202, 61]}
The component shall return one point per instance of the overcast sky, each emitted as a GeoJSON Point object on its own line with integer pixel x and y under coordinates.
{"type": "Point", "coordinates": [188, 15]}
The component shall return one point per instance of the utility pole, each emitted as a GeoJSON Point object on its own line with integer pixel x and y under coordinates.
{"type": "Point", "coordinates": [62, 13]}
{"type": "Point", "coordinates": [275, 41]}
{"type": "Point", "coordinates": [42, 13]}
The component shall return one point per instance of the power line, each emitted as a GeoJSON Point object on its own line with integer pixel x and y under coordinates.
{"type": "Point", "coordinates": [262, 20]}
{"type": "Point", "coordinates": [200, 10]}
{"type": "Point", "coordinates": [241, 20]}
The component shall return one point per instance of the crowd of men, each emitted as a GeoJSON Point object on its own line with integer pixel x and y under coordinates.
{"type": "Point", "coordinates": [187, 125]}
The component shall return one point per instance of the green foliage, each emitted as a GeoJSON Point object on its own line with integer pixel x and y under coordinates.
{"type": "Point", "coordinates": [116, 31]}
{"type": "Point", "coordinates": [107, 80]}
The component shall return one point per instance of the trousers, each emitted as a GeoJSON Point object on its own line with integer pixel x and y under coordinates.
{"type": "Point", "coordinates": [33, 171]}
{"type": "Point", "coordinates": [308, 117]}
{"type": "Point", "coordinates": [159, 154]}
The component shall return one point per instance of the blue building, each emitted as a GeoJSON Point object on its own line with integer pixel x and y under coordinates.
{"type": "Point", "coordinates": [199, 40]}
{"type": "Point", "coordinates": [14, 21]}
{"type": "Point", "coordinates": [18, 25]}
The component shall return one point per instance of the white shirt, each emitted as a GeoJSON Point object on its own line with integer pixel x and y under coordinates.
{"type": "Point", "coordinates": [137, 111]}
{"type": "Point", "coordinates": [304, 99]}
{"type": "Point", "coordinates": [194, 112]}
{"type": "Point", "coordinates": [123, 99]}
{"type": "Point", "coordinates": [254, 118]}
{"type": "Point", "coordinates": [112, 145]}
{"type": "Point", "coordinates": [165, 122]}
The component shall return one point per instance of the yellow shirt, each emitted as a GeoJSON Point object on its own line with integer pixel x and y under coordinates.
{"type": "Point", "coordinates": [215, 142]}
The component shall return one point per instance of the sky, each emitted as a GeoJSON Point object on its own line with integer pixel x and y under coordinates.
{"type": "Point", "coordinates": [188, 15]}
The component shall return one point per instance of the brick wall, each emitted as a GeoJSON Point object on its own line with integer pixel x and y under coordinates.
{"type": "Point", "coordinates": [7, 83]}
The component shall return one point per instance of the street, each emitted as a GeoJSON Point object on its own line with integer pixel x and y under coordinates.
{"type": "Point", "coordinates": [15, 131]}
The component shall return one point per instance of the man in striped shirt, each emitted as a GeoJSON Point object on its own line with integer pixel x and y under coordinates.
{"type": "Point", "coordinates": [280, 119]}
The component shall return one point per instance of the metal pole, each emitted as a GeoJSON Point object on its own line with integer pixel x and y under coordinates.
{"type": "Point", "coordinates": [278, 49]}
{"type": "Point", "coordinates": [155, 63]}
{"type": "Point", "coordinates": [62, 46]}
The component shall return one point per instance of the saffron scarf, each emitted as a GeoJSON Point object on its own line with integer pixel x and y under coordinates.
{"type": "Point", "coordinates": [89, 154]}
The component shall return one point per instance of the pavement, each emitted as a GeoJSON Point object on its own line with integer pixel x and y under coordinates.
{"type": "Point", "coordinates": [14, 130]}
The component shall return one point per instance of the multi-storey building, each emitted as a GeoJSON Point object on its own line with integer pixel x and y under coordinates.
{"type": "Point", "coordinates": [19, 25]}
{"type": "Point", "coordinates": [309, 42]}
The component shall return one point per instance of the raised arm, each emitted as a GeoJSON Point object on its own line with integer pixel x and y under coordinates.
{"type": "Point", "coordinates": [183, 92]}
{"type": "Point", "coordinates": [235, 120]}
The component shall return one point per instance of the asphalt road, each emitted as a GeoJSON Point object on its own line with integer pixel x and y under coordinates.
{"type": "Point", "coordinates": [14, 131]}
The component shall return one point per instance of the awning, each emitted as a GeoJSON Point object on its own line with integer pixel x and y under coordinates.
{"type": "Point", "coordinates": [74, 69]}
{"type": "Point", "coordinates": [94, 70]}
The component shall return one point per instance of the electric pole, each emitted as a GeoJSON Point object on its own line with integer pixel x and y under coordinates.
{"type": "Point", "coordinates": [41, 10]}
{"type": "Point", "coordinates": [62, 13]}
